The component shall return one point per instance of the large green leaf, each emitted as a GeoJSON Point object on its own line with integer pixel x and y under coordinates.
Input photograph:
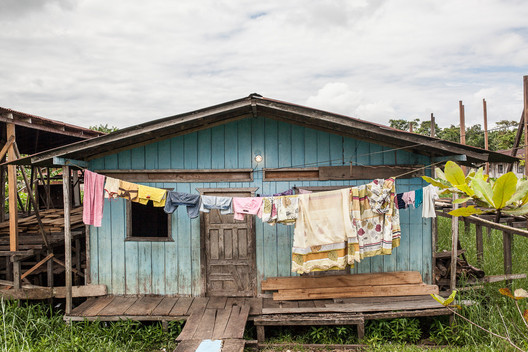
{"type": "Point", "coordinates": [466, 189]}
{"type": "Point", "coordinates": [520, 193]}
{"type": "Point", "coordinates": [454, 174]}
{"type": "Point", "coordinates": [435, 182]}
{"type": "Point", "coordinates": [483, 191]}
{"type": "Point", "coordinates": [466, 211]}
{"type": "Point", "coordinates": [517, 211]}
{"type": "Point", "coordinates": [462, 200]}
{"type": "Point", "coordinates": [503, 189]}
{"type": "Point", "coordinates": [440, 174]}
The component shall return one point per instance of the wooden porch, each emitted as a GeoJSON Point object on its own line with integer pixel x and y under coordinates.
{"type": "Point", "coordinates": [261, 311]}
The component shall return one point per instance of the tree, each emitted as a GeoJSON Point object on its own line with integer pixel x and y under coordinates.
{"type": "Point", "coordinates": [475, 136]}
{"type": "Point", "coordinates": [400, 124]}
{"type": "Point", "coordinates": [425, 128]}
{"type": "Point", "coordinates": [104, 128]}
{"type": "Point", "coordinates": [451, 133]}
{"type": "Point", "coordinates": [503, 136]}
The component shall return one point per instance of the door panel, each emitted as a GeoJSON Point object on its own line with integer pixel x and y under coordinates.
{"type": "Point", "coordinates": [229, 253]}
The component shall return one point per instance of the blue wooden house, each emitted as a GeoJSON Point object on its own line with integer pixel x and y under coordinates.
{"type": "Point", "coordinates": [244, 147]}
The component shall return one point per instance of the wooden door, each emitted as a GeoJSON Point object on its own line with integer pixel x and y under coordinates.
{"type": "Point", "coordinates": [229, 253]}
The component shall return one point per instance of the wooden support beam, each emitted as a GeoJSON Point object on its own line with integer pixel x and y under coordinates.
{"type": "Point", "coordinates": [33, 268]}
{"type": "Point", "coordinates": [35, 293]}
{"type": "Point", "coordinates": [486, 146]}
{"type": "Point", "coordinates": [69, 162]}
{"type": "Point", "coordinates": [67, 236]}
{"type": "Point", "coordinates": [454, 244]}
{"type": "Point", "coordinates": [516, 141]}
{"type": "Point", "coordinates": [45, 186]}
{"type": "Point", "coordinates": [525, 85]}
{"type": "Point", "coordinates": [32, 199]}
{"type": "Point", "coordinates": [2, 192]}
{"type": "Point", "coordinates": [61, 263]}
{"type": "Point", "coordinates": [12, 184]}
{"type": "Point", "coordinates": [6, 146]}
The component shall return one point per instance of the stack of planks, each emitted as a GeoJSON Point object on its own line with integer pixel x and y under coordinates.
{"type": "Point", "coordinates": [52, 219]}
{"type": "Point", "coordinates": [401, 283]}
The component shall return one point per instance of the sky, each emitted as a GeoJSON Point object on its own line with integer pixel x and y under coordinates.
{"type": "Point", "coordinates": [124, 62]}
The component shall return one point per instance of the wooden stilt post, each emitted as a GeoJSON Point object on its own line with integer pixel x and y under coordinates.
{"type": "Point", "coordinates": [433, 126]}
{"type": "Point", "coordinates": [525, 84]}
{"type": "Point", "coordinates": [462, 127]}
{"type": "Point", "coordinates": [486, 145]}
{"type": "Point", "coordinates": [454, 246]}
{"type": "Point", "coordinates": [2, 192]}
{"type": "Point", "coordinates": [76, 189]}
{"type": "Point", "coordinates": [13, 210]}
{"type": "Point", "coordinates": [67, 236]}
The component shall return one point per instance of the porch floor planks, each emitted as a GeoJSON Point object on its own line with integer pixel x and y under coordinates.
{"type": "Point", "coordinates": [79, 310]}
{"type": "Point", "coordinates": [222, 318]}
{"type": "Point", "coordinates": [182, 306]}
{"type": "Point", "coordinates": [118, 306]}
{"type": "Point", "coordinates": [98, 305]}
{"type": "Point", "coordinates": [237, 322]}
{"type": "Point", "coordinates": [144, 306]}
{"type": "Point", "coordinates": [217, 302]}
{"type": "Point", "coordinates": [165, 306]}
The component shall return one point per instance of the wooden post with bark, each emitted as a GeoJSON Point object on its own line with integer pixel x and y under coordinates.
{"type": "Point", "coordinates": [486, 145]}
{"type": "Point", "coordinates": [454, 245]}
{"type": "Point", "coordinates": [67, 236]}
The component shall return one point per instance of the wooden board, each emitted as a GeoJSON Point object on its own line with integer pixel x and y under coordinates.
{"type": "Point", "coordinates": [37, 293]}
{"type": "Point", "coordinates": [79, 310]}
{"type": "Point", "coordinates": [299, 282]}
{"type": "Point", "coordinates": [99, 305]}
{"type": "Point", "coordinates": [165, 306]}
{"type": "Point", "coordinates": [182, 306]}
{"type": "Point", "coordinates": [357, 291]}
{"type": "Point", "coordinates": [144, 305]}
{"type": "Point", "coordinates": [118, 306]}
{"type": "Point", "coordinates": [237, 322]}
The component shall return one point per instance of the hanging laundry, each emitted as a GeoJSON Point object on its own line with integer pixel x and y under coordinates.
{"type": "Point", "coordinates": [128, 190]}
{"type": "Point", "coordinates": [304, 191]}
{"type": "Point", "coordinates": [111, 188]}
{"type": "Point", "coordinates": [287, 209]}
{"type": "Point", "coordinates": [430, 194]}
{"type": "Point", "coordinates": [375, 220]}
{"type": "Point", "coordinates": [224, 204]}
{"type": "Point", "coordinates": [418, 194]}
{"type": "Point", "coordinates": [93, 198]}
{"type": "Point", "coordinates": [156, 195]}
{"type": "Point", "coordinates": [408, 198]}
{"type": "Point", "coordinates": [319, 241]}
{"type": "Point", "coordinates": [268, 211]}
{"type": "Point", "coordinates": [246, 205]}
{"type": "Point", "coordinates": [175, 199]}
{"type": "Point", "coordinates": [400, 203]}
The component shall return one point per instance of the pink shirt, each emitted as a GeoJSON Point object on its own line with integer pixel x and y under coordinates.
{"type": "Point", "coordinates": [246, 205]}
{"type": "Point", "coordinates": [93, 198]}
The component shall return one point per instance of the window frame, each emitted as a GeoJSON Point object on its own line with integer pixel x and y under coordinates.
{"type": "Point", "coordinates": [129, 237]}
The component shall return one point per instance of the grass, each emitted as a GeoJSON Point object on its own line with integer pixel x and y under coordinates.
{"type": "Point", "coordinates": [35, 327]}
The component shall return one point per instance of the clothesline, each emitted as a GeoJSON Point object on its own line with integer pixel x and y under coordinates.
{"type": "Point", "coordinates": [332, 228]}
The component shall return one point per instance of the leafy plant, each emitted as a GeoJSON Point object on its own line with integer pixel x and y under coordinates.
{"type": "Point", "coordinates": [507, 194]}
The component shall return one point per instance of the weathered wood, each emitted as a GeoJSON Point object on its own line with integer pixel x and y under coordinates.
{"type": "Point", "coordinates": [182, 306]}
{"type": "Point", "coordinates": [118, 306]}
{"type": "Point", "coordinates": [446, 254]}
{"type": "Point", "coordinates": [33, 268]}
{"type": "Point", "coordinates": [36, 293]}
{"type": "Point", "coordinates": [507, 251]}
{"type": "Point", "coordinates": [144, 306]}
{"type": "Point", "coordinates": [12, 185]}
{"type": "Point", "coordinates": [454, 243]}
{"type": "Point", "coordinates": [188, 346]}
{"type": "Point", "coordinates": [79, 310]}
{"type": "Point", "coordinates": [181, 175]}
{"type": "Point", "coordinates": [6, 146]}
{"type": "Point", "coordinates": [525, 103]}
{"type": "Point", "coordinates": [207, 324]}
{"type": "Point", "coordinates": [309, 319]}
{"type": "Point", "coordinates": [217, 302]}
{"type": "Point", "coordinates": [165, 306]}
{"type": "Point", "coordinates": [237, 322]}
{"type": "Point", "coordinates": [298, 282]}
{"type": "Point", "coordinates": [67, 236]}
{"type": "Point", "coordinates": [356, 291]}
{"type": "Point", "coordinates": [490, 224]}
{"type": "Point", "coordinates": [191, 325]}
{"type": "Point", "coordinates": [16, 274]}
{"type": "Point", "coordinates": [222, 318]}
{"type": "Point", "coordinates": [233, 345]}
{"type": "Point", "coordinates": [61, 263]}
{"type": "Point", "coordinates": [293, 174]}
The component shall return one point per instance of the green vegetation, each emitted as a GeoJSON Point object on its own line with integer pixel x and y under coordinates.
{"type": "Point", "coordinates": [104, 128]}
{"type": "Point", "coordinates": [499, 138]}
{"type": "Point", "coordinates": [37, 328]}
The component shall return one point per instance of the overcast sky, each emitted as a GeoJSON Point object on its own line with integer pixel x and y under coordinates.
{"type": "Point", "coordinates": [123, 62]}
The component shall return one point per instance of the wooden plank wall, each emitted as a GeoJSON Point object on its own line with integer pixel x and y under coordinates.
{"type": "Point", "coordinates": [174, 267]}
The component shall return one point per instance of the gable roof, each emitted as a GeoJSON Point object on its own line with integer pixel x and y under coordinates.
{"type": "Point", "coordinates": [252, 106]}
{"type": "Point", "coordinates": [35, 134]}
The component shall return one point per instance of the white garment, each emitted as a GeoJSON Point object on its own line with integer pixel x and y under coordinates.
{"type": "Point", "coordinates": [430, 194]}
{"type": "Point", "coordinates": [111, 188]}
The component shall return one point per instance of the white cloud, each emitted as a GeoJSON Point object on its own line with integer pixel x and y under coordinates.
{"type": "Point", "coordinates": [124, 62]}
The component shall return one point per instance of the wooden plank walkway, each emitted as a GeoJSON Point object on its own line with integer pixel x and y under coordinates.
{"type": "Point", "coordinates": [225, 323]}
